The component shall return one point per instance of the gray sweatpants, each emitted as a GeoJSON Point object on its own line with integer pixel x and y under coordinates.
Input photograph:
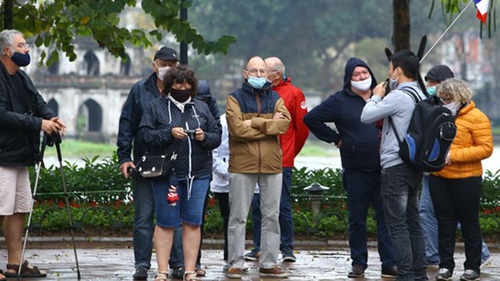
{"type": "Point", "coordinates": [241, 190]}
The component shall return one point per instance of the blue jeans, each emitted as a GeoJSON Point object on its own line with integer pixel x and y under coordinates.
{"type": "Point", "coordinates": [177, 253]}
{"type": "Point", "coordinates": [429, 223]}
{"type": "Point", "coordinates": [189, 208]}
{"type": "Point", "coordinates": [399, 191]}
{"type": "Point", "coordinates": [143, 223]}
{"type": "Point", "coordinates": [285, 217]}
{"type": "Point", "coordinates": [363, 191]}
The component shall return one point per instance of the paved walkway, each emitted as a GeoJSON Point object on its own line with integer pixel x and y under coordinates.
{"type": "Point", "coordinates": [113, 260]}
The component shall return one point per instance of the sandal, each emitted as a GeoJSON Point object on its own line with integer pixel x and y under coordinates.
{"type": "Point", "coordinates": [200, 272]}
{"type": "Point", "coordinates": [27, 270]}
{"type": "Point", "coordinates": [162, 276]}
{"type": "Point", "coordinates": [191, 276]}
{"type": "Point", "coordinates": [2, 278]}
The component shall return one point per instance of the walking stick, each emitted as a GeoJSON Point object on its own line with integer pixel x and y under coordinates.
{"type": "Point", "coordinates": [54, 139]}
{"type": "Point", "coordinates": [57, 142]}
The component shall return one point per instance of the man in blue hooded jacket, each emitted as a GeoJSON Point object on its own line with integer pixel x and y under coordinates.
{"type": "Point", "coordinates": [359, 151]}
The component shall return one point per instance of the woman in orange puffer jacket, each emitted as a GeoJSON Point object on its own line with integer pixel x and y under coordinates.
{"type": "Point", "coordinates": [456, 189]}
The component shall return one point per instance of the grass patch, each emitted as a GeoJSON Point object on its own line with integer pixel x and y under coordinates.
{"type": "Point", "coordinates": [316, 148]}
{"type": "Point", "coordinates": [81, 149]}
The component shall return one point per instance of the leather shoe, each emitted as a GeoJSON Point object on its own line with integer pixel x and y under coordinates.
{"type": "Point", "coordinates": [357, 271]}
{"type": "Point", "coordinates": [141, 273]}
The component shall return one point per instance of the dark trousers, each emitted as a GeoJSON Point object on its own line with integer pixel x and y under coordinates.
{"type": "Point", "coordinates": [457, 200]}
{"type": "Point", "coordinates": [363, 191]}
{"type": "Point", "coordinates": [223, 199]}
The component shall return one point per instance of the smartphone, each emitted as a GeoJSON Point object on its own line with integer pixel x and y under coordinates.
{"type": "Point", "coordinates": [386, 86]}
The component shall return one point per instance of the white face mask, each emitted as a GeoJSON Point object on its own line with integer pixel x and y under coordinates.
{"type": "Point", "coordinates": [362, 85]}
{"type": "Point", "coordinates": [453, 107]}
{"type": "Point", "coordinates": [162, 71]}
{"type": "Point", "coordinates": [393, 82]}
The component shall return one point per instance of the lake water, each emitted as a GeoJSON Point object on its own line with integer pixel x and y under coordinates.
{"type": "Point", "coordinates": [333, 161]}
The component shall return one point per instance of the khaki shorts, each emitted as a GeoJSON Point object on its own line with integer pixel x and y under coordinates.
{"type": "Point", "coordinates": [15, 191]}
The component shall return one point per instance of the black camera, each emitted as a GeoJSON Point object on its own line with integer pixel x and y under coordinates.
{"type": "Point", "coordinates": [191, 133]}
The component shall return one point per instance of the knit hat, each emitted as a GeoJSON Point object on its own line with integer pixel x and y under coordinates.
{"type": "Point", "coordinates": [439, 73]}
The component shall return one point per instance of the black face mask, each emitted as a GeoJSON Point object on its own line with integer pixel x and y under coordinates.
{"type": "Point", "coordinates": [21, 59]}
{"type": "Point", "coordinates": [180, 95]}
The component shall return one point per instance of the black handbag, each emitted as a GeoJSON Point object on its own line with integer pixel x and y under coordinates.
{"type": "Point", "coordinates": [157, 164]}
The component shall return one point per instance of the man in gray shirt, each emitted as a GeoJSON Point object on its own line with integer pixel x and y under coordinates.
{"type": "Point", "coordinates": [400, 183]}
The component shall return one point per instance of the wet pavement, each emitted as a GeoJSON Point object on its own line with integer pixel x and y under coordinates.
{"type": "Point", "coordinates": [113, 260]}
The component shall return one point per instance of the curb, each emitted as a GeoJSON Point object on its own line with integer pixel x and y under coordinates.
{"type": "Point", "coordinates": [300, 244]}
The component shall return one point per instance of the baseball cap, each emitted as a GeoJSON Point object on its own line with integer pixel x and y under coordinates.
{"type": "Point", "coordinates": [439, 73]}
{"type": "Point", "coordinates": [166, 54]}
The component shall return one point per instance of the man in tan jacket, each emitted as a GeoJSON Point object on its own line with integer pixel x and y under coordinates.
{"type": "Point", "coordinates": [256, 115]}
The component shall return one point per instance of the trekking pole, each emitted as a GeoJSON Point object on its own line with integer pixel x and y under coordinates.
{"type": "Point", "coordinates": [28, 226]}
{"type": "Point", "coordinates": [57, 142]}
{"type": "Point", "coordinates": [446, 31]}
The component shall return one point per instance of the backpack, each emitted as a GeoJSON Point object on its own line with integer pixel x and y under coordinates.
{"type": "Point", "coordinates": [429, 136]}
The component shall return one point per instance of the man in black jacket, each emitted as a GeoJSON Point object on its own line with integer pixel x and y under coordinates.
{"type": "Point", "coordinates": [139, 98]}
{"type": "Point", "coordinates": [359, 151]}
{"type": "Point", "coordinates": [23, 114]}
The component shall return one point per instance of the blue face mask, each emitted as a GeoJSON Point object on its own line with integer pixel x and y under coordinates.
{"type": "Point", "coordinates": [431, 90]}
{"type": "Point", "coordinates": [21, 59]}
{"type": "Point", "coordinates": [257, 82]}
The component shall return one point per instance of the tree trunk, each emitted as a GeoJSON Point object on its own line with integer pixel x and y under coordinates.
{"type": "Point", "coordinates": [8, 10]}
{"type": "Point", "coordinates": [401, 24]}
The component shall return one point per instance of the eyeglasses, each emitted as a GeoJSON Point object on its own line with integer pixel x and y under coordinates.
{"type": "Point", "coordinates": [23, 45]}
{"type": "Point", "coordinates": [254, 71]}
{"type": "Point", "coordinates": [446, 100]}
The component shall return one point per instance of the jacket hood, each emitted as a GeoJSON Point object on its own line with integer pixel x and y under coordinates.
{"type": "Point", "coordinates": [349, 69]}
{"type": "Point", "coordinates": [203, 89]}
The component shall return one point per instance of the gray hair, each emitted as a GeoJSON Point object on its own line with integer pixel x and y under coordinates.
{"type": "Point", "coordinates": [456, 88]}
{"type": "Point", "coordinates": [7, 37]}
{"type": "Point", "coordinates": [279, 66]}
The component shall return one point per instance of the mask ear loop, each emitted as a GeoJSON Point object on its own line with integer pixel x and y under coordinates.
{"type": "Point", "coordinates": [395, 72]}
{"type": "Point", "coordinates": [5, 53]}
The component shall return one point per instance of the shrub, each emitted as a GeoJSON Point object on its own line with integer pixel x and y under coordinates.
{"type": "Point", "coordinates": [101, 199]}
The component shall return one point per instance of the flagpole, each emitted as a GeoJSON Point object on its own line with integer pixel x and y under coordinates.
{"type": "Point", "coordinates": [446, 30]}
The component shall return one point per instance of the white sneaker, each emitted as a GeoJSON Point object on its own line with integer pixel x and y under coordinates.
{"type": "Point", "coordinates": [487, 262]}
